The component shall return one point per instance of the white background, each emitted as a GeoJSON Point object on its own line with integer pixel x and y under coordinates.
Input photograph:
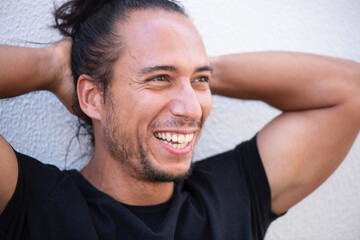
{"type": "Point", "coordinates": [38, 125]}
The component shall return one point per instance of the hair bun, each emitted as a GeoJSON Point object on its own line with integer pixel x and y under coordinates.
{"type": "Point", "coordinates": [70, 15]}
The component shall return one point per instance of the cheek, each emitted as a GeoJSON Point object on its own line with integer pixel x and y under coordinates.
{"type": "Point", "coordinates": [145, 109]}
{"type": "Point", "coordinates": [205, 100]}
{"type": "Point", "coordinates": [151, 104]}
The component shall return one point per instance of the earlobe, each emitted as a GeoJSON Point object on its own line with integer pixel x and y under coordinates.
{"type": "Point", "coordinates": [89, 97]}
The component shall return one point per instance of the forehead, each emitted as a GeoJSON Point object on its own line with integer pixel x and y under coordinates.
{"type": "Point", "coordinates": [153, 37]}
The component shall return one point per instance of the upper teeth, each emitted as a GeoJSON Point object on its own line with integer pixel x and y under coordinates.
{"type": "Point", "coordinates": [176, 138]}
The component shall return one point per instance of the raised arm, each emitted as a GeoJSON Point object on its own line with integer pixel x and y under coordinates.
{"type": "Point", "coordinates": [320, 100]}
{"type": "Point", "coordinates": [23, 70]}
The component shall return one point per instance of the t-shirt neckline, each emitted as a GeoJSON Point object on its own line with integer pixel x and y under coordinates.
{"type": "Point", "coordinates": [84, 184]}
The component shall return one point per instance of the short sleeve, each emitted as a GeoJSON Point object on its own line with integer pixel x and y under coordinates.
{"type": "Point", "coordinates": [257, 185]}
{"type": "Point", "coordinates": [13, 217]}
{"type": "Point", "coordinates": [234, 190]}
{"type": "Point", "coordinates": [35, 182]}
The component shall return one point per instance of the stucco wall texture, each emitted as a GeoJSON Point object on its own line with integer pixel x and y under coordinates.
{"type": "Point", "coordinates": [37, 124]}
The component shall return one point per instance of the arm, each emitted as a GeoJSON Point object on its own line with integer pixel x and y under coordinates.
{"type": "Point", "coordinates": [23, 70]}
{"type": "Point", "coordinates": [320, 100]}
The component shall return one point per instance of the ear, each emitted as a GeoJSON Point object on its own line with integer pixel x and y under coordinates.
{"type": "Point", "coordinates": [90, 99]}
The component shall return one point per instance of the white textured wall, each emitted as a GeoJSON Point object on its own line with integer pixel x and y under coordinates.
{"type": "Point", "coordinates": [38, 125]}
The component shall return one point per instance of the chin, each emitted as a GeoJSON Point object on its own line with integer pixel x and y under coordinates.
{"type": "Point", "coordinates": [153, 174]}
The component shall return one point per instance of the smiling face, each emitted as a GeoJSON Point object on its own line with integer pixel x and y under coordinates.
{"type": "Point", "coordinates": [159, 97]}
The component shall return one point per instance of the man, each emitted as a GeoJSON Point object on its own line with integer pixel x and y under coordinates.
{"type": "Point", "coordinates": [148, 120]}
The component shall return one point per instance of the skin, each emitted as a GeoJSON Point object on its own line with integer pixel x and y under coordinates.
{"type": "Point", "coordinates": [141, 103]}
{"type": "Point", "coordinates": [23, 70]}
{"type": "Point", "coordinates": [319, 97]}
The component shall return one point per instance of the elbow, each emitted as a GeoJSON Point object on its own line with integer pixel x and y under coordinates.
{"type": "Point", "coordinates": [348, 90]}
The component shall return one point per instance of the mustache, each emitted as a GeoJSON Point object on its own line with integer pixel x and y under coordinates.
{"type": "Point", "coordinates": [175, 123]}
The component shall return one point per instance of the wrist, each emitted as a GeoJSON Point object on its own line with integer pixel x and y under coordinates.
{"type": "Point", "coordinates": [46, 67]}
{"type": "Point", "coordinates": [59, 69]}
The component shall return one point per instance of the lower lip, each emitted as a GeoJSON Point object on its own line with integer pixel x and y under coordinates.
{"type": "Point", "coordinates": [175, 151]}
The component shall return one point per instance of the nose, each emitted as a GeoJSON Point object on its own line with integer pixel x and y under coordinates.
{"type": "Point", "coordinates": [185, 102]}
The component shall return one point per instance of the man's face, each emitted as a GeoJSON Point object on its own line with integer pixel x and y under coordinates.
{"type": "Point", "coordinates": [159, 97]}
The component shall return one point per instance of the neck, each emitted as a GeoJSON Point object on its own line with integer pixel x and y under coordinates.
{"type": "Point", "coordinates": [110, 177]}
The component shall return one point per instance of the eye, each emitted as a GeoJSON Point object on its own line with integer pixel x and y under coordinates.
{"type": "Point", "coordinates": [202, 79]}
{"type": "Point", "coordinates": [160, 78]}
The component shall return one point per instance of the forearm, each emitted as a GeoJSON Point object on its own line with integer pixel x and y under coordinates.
{"type": "Point", "coordinates": [320, 100]}
{"type": "Point", "coordinates": [25, 69]}
{"type": "Point", "coordinates": [288, 81]}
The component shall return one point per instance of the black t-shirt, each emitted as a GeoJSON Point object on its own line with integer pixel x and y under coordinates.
{"type": "Point", "coordinates": [226, 197]}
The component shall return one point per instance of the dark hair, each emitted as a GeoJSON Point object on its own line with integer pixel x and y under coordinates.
{"type": "Point", "coordinates": [96, 46]}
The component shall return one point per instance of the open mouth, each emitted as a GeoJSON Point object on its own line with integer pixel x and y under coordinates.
{"type": "Point", "coordinates": [178, 141]}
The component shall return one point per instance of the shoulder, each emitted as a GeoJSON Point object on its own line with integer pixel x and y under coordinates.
{"type": "Point", "coordinates": [34, 183]}
{"type": "Point", "coordinates": [229, 173]}
{"type": "Point", "coordinates": [45, 200]}
{"type": "Point", "coordinates": [22, 177]}
{"type": "Point", "coordinates": [235, 182]}
{"type": "Point", "coordinates": [36, 173]}
{"type": "Point", "coordinates": [239, 171]}
{"type": "Point", "coordinates": [237, 174]}
{"type": "Point", "coordinates": [234, 160]}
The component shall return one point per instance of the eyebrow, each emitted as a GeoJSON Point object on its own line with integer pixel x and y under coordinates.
{"type": "Point", "coordinates": [204, 69]}
{"type": "Point", "coordinates": [149, 70]}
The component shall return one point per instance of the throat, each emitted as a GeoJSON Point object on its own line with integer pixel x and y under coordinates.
{"type": "Point", "coordinates": [116, 183]}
